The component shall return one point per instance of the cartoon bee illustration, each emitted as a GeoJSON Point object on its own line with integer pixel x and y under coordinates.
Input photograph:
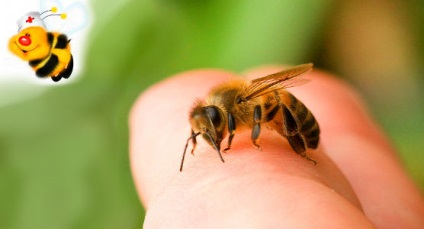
{"type": "Point", "coordinates": [238, 104]}
{"type": "Point", "coordinates": [48, 53]}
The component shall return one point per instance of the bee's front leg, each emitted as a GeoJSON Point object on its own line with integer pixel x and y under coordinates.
{"type": "Point", "coordinates": [194, 141]}
{"type": "Point", "coordinates": [257, 116]}
{"type": "Point", "coordinates": [193, 138]}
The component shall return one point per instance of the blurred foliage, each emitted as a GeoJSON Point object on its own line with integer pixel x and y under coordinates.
{"type": "Point", "coordinates": [64, 155]}
{"type": "Point", "coordinates": [377, 46]}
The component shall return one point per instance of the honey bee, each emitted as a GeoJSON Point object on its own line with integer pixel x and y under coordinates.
{"type": "Point", "coordinates": [48, 53]}
{"type": "Point", "coordinates": [238, 104]}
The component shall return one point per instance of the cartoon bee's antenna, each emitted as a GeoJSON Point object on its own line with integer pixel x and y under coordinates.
{"type": "Point", "coordinates": [54, 10]}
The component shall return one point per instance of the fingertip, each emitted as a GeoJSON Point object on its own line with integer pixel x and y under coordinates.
{"type": "Point", "coordinates": [151, 126]}
{"type": "Point", "coordinates": [158, 125]}
{"type": "Point", "coordinates": [159, 128]}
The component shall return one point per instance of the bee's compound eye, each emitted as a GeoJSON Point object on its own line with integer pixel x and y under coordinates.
{"type": "Point", "coordinates": [24, 40]}
{"type": "Point", "coordinates": [214, 115]}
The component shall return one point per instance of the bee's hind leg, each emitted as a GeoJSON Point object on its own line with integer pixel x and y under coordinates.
{"type": "Point", "coordinates": [303, 154]}
{"type": "Point", "coordinates": [257, 116]}
{"type": "Point", "coordinates": [56, 78]}
{"type": "Point", "coordinates": [69, 68]}
{"type": "Point", "coordinates": [66, 73]}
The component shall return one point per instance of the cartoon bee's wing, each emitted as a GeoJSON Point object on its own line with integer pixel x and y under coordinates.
{"type": "Point", "coordinates": [277, 81]}
{"type": "Point", "coordinates": [77, 16]}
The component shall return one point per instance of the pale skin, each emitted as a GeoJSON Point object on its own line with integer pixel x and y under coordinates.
{"type": "Point", "coordinates": [357, 183]}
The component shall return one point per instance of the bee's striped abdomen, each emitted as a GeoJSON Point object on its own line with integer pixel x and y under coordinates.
{"type": "Point", "coordinates": [290, 118]}
{"type": "Point", "coordinates": [307, 126]}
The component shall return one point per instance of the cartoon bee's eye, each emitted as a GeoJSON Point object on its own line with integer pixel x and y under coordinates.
{"type": "Point", "coordinates": [214, 115]}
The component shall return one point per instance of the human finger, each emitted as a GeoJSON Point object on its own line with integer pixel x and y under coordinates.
{"type": "Point", "coordinates": [276, 174]}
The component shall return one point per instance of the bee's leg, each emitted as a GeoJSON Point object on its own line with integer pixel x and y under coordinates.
{"type": "Point", "coordinates": [290, 125]}
{"type": "Point", "coordinates": [193, 137]}
{"type": "Point", "coordinates": [292, 133]}
{"type": "Point", "coordinates": [257, 116]}
{"type": "Point", "coordinates": [303, 154]}
{"type": "Point", "coordinates": [231, 128]}
{"type": "Point", "coordinates": [194, 141]}
{"type": "Point", "coordinates": [66, 73]}
{"type": "Point", "coordinates": [56, 78]}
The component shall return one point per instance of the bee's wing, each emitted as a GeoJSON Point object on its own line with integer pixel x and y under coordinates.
{"type": "Point", "coordinates": [77, 16]}
{"type": "Point", "coordinates": [276, 81]}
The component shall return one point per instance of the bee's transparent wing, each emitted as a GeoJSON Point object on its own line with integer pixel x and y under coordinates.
{"type": "Point", "coordinates": [277, 81]}
{"type": "Point", "coordinates": [77, 16]}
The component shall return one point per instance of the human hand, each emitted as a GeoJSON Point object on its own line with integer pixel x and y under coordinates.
{"type": "Point", "coordinates": [357, 183]}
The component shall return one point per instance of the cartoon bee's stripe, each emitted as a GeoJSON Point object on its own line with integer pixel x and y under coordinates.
{"type": "Point", "coordinates": [48, 67]}
{"type": "Point", "coordinates": [34, 63]}
{"type": "Point", "coordinates": [50, 38]}
{"type": "Point", "coordinates": [62, 42]}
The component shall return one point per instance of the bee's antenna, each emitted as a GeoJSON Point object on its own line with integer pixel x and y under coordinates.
{"type": "Point", "coordinates": [53, 10]}
{"type": "Point", "coordinates": [185, 149]}
{"type": "Point", "coordinates": [63, 16]}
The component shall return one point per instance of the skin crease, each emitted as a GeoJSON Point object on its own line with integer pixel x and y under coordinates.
{"type": "Point", "coordinates": [357, 183]}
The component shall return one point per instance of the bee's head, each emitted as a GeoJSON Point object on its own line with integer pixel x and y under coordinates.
{"type": "Point", "coordinates": [209, 121]}
{"type": "Point", "coordinates": [30, 43]}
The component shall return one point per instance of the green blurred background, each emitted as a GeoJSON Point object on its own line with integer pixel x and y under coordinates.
{"type": "Point", "coordinates": [64, 154]}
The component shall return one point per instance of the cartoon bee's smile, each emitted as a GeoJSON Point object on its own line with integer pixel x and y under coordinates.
{"type": "Point", "coordinates": [23, 50]}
